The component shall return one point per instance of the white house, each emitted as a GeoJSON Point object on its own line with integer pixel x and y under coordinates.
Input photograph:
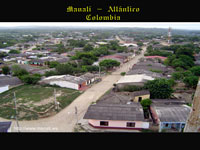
{"type": "Point", "coordinates": [7, 82]}
{"type": "Point", "coordinates": [5, 50]}
{"type": "Point", "coordinates": [66, 81]}
{"type": "Point", "coordinates": [4, 88]}
{"type": "Point", "coordinates": [134, 78]}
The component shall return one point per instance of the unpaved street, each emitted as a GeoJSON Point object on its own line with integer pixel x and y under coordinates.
{"type": "Point", "coordinates": [66, 119]}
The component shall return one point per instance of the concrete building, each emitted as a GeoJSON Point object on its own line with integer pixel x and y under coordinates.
{"type": "Point", "coordinates": [140, 95]}
{"type": "Point", "coordinates": [5, 126]}
{"type": "Point", "coordinates": [66, 81]}
{"type": "Point", "coordinates": [89, 78]}
{"type": "Point", "coordinates": [5, 50]}
{"type": "Point", "coordinates": [170, 115]}
{"type": "Point", "coordinates": [136, 79]}
{"type": "Point", "coordinates": [129, 44]}
{"type": "Point", "coordinates": [8, 82]}
{"type": "Point", "coordinates": [156, 57]}
{"type": "Point", "coordinates": [116, 116]}
{"type": "Point", "coordinates": [151, 68]}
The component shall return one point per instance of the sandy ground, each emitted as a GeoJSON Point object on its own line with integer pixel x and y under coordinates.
{"type": "Point", "coordinates": [66, 119]}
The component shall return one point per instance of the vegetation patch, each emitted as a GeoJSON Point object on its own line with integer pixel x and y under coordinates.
{"type": "Point", "coordinates": [30, 101]}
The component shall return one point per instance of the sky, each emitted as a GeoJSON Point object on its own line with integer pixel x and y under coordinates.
{"type": "Point", "coordinates": [173, 25]}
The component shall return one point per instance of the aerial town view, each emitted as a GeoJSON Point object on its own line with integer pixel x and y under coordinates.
{"type": "Point", "coordinates": [99, 77]}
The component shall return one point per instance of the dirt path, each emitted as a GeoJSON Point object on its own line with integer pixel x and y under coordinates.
{"type": "Point", "coordinates": [66, 119]}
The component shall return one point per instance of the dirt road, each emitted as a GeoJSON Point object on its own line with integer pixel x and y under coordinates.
{"type": "Point", "coordinates": [66, 119]}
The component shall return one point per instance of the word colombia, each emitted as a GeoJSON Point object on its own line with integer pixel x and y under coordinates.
{"type": "Point", "coordinates": [111, 9]}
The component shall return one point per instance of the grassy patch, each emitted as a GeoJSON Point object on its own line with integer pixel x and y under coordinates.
{"type": "Point", "coordinates": [32, 100]}
{"type": "Point", "coordinates": [67, 99]}
{"type": "Point", "coordinates": [157, 71]}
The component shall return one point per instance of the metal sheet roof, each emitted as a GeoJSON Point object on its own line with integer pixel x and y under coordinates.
{"type": "Point", "coordinates": [172, 113]}
{"type": "Point", "coordinates": [128, 112]}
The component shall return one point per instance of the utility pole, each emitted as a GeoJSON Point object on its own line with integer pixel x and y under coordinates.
{"type": "Point", "coordinates": [99, 71]}
{"type": "Point", "coordinates": [76, 113]}
{"type": "Point", "coordinates": [55, 101]}
{"type": "Point", "coordinates": [15, 102]}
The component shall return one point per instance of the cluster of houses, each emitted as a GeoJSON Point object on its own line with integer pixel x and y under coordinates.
{"type": "Point", "coordinates": [122, 110]}
{"type": "Point", "coordinates": [33, 59]}
{"type": "Point", "coordinates": [120, 57]}
{"type": "Point", "coordinates": [146, 69]}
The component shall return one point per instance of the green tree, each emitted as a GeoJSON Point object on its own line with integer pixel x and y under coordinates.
{"type": "Point", "coordinates": [178, 63]}
{"type": "Point", "coordinates": [50, 73]}
{"type": "Point", "coordinates": [146, 106]}
{"type": "Point", "coordinates": [3, 54]}
{"type": "Point", "coordinates": [185, 51]}
{"type": "Point", "coordinates": [188, 61]}
{"type": "Point", "coordinates": [87, 47]}
{"type": "Point", "coordinates": [18, 71]}
{"type": "Point", "coordinates": [113, 45]}
{"type": "Point", "coordinates": [140, 43]}
{"type": "Point", "coordinates": [159, 88]}
{"type": "Point", "coordinates": [109, 63]}
{"type": "Point", "coordinates": [191, 81]}
{"type": "Point", "coordinates": [101, 51]}
{"type": "Point", "coordinates": [170, 59]}
{"type": "Point", "coordinates": [53, 64]}
{"type": "Point", "coordinates": [195, 70]}
{"type": "Point", "coordinates": [30, 79]}
{"type": "Point", "coordinates": [146, 103]}
{"type": "Point", "coordinates": [14, 51]}
{"type": "Point", "coordinates": [89, 55]}
{"type": "Point", "coordinates": [187, 73]}
{"type": "Point", "coordinates": [171, 82]}
{"type": "Point", "coordinates": [62, 69]}
{"type": "Point", "coordinates": [123, 73]}
{"type": "Point", "coordinates": [5, 70]}
{"type": "Point", "coordinates": [177, 75]}
{"type": "Point", "coordinates": [87, 61]}
{"type": "Point", "coordinates": [60, 48]}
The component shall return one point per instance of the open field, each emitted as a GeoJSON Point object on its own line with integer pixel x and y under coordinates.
{"type": "Point", "coordinates": [34, 101]}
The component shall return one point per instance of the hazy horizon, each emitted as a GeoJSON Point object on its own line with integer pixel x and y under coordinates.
{"type": "Point", "coordinates": [165, 25]}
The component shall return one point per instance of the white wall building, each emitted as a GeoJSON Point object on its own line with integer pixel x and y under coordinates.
{"type": "Point", "coordinates": [66, 81]}
{"type": "Point", "coordinates": [4, 88]}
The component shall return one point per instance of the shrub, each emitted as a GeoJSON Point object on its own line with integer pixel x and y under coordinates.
{"type": "Point", "coordinates": [30, 79]}
{"type": "Point", "coordinates": [123, 73]}
{"type": "Point", "coordinates": [159, 88]}
{"type": "Point", "coordinates": [191, 81]}
{"type": "Point", "coordinates": [5, 70]}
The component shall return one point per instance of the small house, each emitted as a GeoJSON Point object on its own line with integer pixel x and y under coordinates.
{"type": "Point", "coordinates": [140, 95]}
{"type": "Point", "coordinates": [89, 77]}
{"type": "Point", "coordinates": [66, 81]}
{"type": "Point", "coordinates": [7, 82]}
{"type": "Point", "coordinates": [156, 57]}
{"type": "Point", "coordinates": [136, 79]}
{"type": "Point", "coordinates": [23, 61]}
{"type": "Point", "coordinates": [116, 116]}
{"type": "Point", "coordinates": [37, 62]}
{"type": "Point", "coordinates": [5, 126]}
{"type": "Point", "coordinates": [170, 116]}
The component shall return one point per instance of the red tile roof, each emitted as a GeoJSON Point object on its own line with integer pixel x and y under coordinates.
{"type": "Point", "coordinates": [163, 58]}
